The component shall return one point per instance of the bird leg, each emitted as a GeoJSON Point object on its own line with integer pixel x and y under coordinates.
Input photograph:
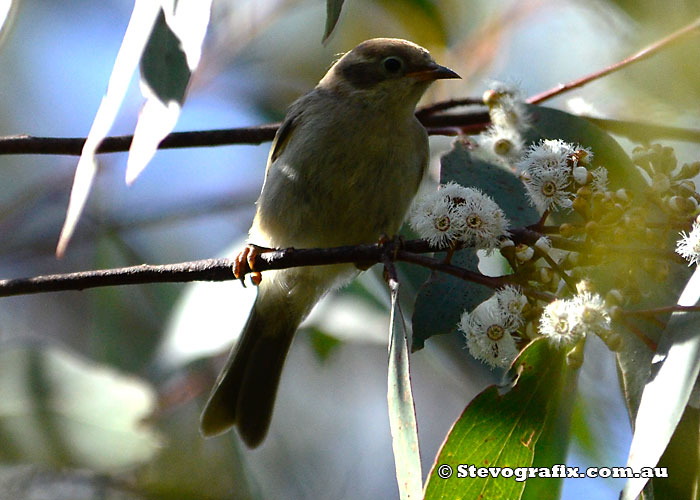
{"type": "Point", "coordinates": [394, 245]}
{"type": "Point", "coordinates": [244, 263]}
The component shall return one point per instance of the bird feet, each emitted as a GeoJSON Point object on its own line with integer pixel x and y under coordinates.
{"type": "Point", "coordinates": [392, 245]}
{"type": "Point", "coordinates": [244, 263]}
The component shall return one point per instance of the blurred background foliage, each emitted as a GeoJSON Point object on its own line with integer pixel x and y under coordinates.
{"type": "Point", "coordinates": [100, 390]}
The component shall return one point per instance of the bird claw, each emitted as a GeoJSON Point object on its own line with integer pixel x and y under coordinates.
{"type": "Point", "coordinates": [394, 244]}
{"type": "Point", "coordinates": [244, 263]}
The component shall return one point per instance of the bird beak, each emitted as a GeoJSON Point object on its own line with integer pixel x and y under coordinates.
{"type": "Point", "coordinates": [433, 72]}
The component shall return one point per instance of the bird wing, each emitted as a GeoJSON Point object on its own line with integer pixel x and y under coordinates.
{"type": "Point", "coordinates": [284, 133]}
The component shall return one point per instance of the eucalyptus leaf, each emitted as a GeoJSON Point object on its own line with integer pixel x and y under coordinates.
{"type": "Point", "coordinates": [137, 33]}
{"type": "Point", "coordinates": [58, 409]}
{"type": "Point", "coordinates": [682, 461]}
{"type": "Point", "coordinates": [499, 430]}
{"type": "Point", "coordinates": [8, 14]}
{"type": "Point", "coordinates": [333, 9]}
{"type": "Point", "coordinates": [549, 123]}
{"type": "Point", "coordinates": [442, 299]}
{"type": "Point", "coordinates": [172, 53]}
{"type": "Point", "coordinates": [402, 412]}
{"type": "Point", "coordinates": [29, 482]}
{"type": "Point", "coordinates": [674, 370]}
{"type": "Point", "coordinates": [553, 446]}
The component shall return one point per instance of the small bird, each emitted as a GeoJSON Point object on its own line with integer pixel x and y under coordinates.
{"type": "Point", "coordinates": [343, 169]}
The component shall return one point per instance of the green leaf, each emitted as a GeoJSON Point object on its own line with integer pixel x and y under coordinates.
{"type": "Point", "coordinates": [333, 9]}
{"type": "Point", "coordinates": [474, 170]}
{"type": "Point", "coordinates": [442, 299]}
{"type": "Point", "coordinates": [172, 53]}
{"type": "Point", "coordinates": [674, 370]}
{"type": "Point", "coordinates": [322, 343]}
{"type": "Point", "coordinates": [31, 481]}
{"type": "Point", "coordinates": [137, 33]}
{"type": "Point", "coordinates": [548, 123]}
{"type": "Point", "coordinates": [553, 445]}
{"type": "Point", "coordinates": [503, 430]}
{"type": "Point", "coordinates": [58, 409]}
{"type": "Point", "coordinates": [8, 14]}
{"type": "Point", "coordinates": [682, 460]}
{"type": "Point", "coordinates": [164, 64]}
{"type": "Point", "coordinates": [402, 412]}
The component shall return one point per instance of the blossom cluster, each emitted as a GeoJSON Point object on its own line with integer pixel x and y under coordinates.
{"type": "Point", "coordinates": [553, 170]}
{"type": "Point", "coordinates": [456, 213]}
{"type": "Point", "coordinates": [562, 176]}
{"type": "Point", "coordinates": [490, 329]}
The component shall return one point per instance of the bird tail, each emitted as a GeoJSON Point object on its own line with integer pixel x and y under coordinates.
{"type": "Point", "coordinates": [244, 394]}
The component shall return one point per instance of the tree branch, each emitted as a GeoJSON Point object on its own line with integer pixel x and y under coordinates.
{"type": "Point", "coordinates": [202, 270]}
{"type": "Point", "coordinates": [435, 122]}
{"type": "Point", "coordinates": [643, 132]}
{"type": "Point", "coordinates": [73, 146]}
{"type": "Point", "coordinates": [646, 52]}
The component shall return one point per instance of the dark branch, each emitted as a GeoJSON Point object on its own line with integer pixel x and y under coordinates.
{"type": "Point", "coordinates": [203, 270]}
{"type": "Point", "coordinates": [644, 132]}
{"type": "Point", "coordinates": [648, 51]}
{"type": "Point", "coordinates": [26, 144]}
{"type": "Point", "coordinates": [431, 109]}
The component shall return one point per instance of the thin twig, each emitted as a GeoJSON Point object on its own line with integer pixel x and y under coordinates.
{"type": "Point", "coordinates": [643, 132]}
{"type": "Point", "coordinates": [467, 275]}
{"type": "Point", "coordinates": [202, 270]}
{"type": "Point", "coordinates": [431, 109]}
{"type": "Point", "coordinates": [25, 144]}
{"type": "Point", "coordinates": [646, 52]}
{"type": "Point", "coordinates": [639, 334]}
{"type": "Point", "coordinates": [554, 265]}
{"type": "Point", "coordinates": [73, 146]}
{"type": "Point", "coordinates": [221, 269]}
{"type": "Point", "coordinates": [661, 310]}
{"type": "Point", "coordinates": [530, 236]}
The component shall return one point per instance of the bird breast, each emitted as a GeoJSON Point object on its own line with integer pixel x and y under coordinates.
{"type": "Point", "coordinates": [343, 177]}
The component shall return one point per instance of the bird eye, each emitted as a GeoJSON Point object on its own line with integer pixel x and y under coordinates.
{"type": "Point", "coordinates": [392, 64]}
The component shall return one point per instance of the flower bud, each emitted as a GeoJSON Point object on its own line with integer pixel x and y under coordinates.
{"type": "Point", "coordinates": [592, 228]}
{"type": "Point", "coordinates": [490, 97]}
{"type": "Point", "coordinates": [613, 341]}
{"type": "Point", "coordinates": [574, 358]}
{"type": "Point", "coordinates": [689, 171]}
{"type": "Point", "coordinates": [622, 195]}
{"type": "Point", "coordinates": [567, 230]}
{"type": "Point", "coordinates": [613, 297]}
{"type": "Point", "coordinates": [545, 274]}
{"type": "Point", "coordinates": [523, 252]}
{"type": "Point", "coordinates": [660, 183]}
{"type": "Point", "coordinates": [582, 206]}
{"type": "Point", "coordinates": [581, 175]}
{"type": "Point", "coordinates": [686, 188]}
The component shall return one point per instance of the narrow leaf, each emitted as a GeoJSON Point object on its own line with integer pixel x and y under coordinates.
{"type": "Point", "coordinates": [172, 53]}
{"type": "Point", "coordinates": [553, 445]}
{"type": "Point", "coordinates": [402, 413]}
{"type": "Point", "coordinates": [8, 11]}
{"type": "Point", "coordinates": [59, 409]}
{"type": "Point", "coordinates": [501, 430]}
{"type": "Point", "coordinates": [333, 8]}
{"type": "Point", "coordinates": [140, 26]}
{"type": "Point", "coordinates": [674, 371]}
{"type": "Point", "coordinates": [682, 461]}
